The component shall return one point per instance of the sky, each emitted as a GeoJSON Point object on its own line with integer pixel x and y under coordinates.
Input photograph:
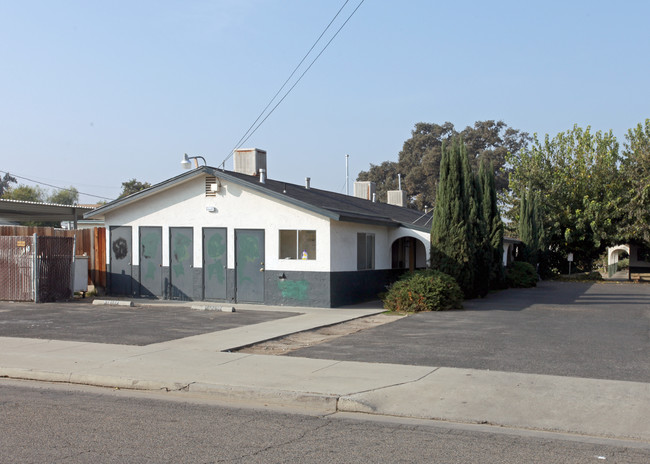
{"type": "Point", "coordinates": [95, 93]}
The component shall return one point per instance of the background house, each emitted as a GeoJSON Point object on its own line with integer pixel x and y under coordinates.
{"type": "Point", "coordinates": [238, 236]}
{"type": "Point", "coordinates": [639, 262]}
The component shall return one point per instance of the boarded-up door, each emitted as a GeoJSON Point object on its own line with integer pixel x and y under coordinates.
{"type": "Point", "coordinates": [215, 263]}
{"type": "Point", "coordinates": [181, 262]}
{"type": "Point", "coordinates": [121, 282]}
{"type": "Point", "coordinates": [151, 261]}
{"type": "Point", "coordinates": [249, 265]}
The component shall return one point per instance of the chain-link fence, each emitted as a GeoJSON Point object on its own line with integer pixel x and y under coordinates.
{"type": "Point", "coordinates": [17, 268]}
{"type": "Point", "coordinates": [36, 268]}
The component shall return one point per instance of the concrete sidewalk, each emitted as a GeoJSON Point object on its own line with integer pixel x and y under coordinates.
{"type": "Point", "coordinates": [603, 408]}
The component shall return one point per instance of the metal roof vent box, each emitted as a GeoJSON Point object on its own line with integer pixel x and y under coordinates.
{"type": "Point", "coordinates": [364, 189]}
{"type": "Point", "coordinates": [397, 197]}
{"type": "Point", "coordinates": [250, 161]}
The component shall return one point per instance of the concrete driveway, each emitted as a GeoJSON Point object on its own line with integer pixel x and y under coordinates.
{"type": "Point", "coordinates": [568, 329]}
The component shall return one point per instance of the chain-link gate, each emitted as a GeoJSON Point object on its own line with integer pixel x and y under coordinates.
{"type": "Point", "coordinates": [36, 268]}
{"type": "Point", "coordinates": [54, 268]}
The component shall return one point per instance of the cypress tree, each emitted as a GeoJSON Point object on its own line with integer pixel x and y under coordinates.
{"type": "Point", "coordinates": [478, 232]}
{"type": "Point", "coordinates": [528, 227]}
{"type": "Point", "coordinates": [493, 225]}
{"type": "Point", "coordinates": [453, 246]}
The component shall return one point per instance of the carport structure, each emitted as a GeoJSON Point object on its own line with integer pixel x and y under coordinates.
{"type": "Point", "coordinates": [35, 262]}
{"type": "Point", "coordinates": [25, 211]}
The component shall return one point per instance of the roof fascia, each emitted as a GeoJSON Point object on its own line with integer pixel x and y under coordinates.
{"type": "Point", "coordinates": [164, 185]}
{"type": "Point", "coordinates": [121, 202]}
{"type": "Point", "coordinates": [416, 227]}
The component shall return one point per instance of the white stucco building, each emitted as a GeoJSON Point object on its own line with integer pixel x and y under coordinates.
{"type": "Point", "coordinates": [237, 236]}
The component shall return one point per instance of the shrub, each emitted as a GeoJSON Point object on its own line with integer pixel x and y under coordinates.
{"type": "Point", "coordinates": [424, 291]}
{"type": "Point", "coordinates": [521, 275]}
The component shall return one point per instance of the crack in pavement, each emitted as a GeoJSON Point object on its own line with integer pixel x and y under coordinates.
{"type": "Point", "coordinates": [392, 385]}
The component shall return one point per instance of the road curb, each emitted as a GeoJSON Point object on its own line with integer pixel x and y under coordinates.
{"type": "Point", "coordinates": [113, 303]}
{"type": "Point", "coordinates": [28, 374]}
{"type": "Point", "coordinates": [226, 393]}
{"type": "Point", "coordinates": [302, 400]}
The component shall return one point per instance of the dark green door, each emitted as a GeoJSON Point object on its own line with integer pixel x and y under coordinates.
{"type": "Point", "coordinates": [121, 260]}
{"type": "Point", "coordinates": [151, 275]}
{"type": "Point", "coordinates": [181, 262]}
{"type": "Point", "coordinates": [215, 263]}
{"type": "Point", "coordinates": [249, 265]}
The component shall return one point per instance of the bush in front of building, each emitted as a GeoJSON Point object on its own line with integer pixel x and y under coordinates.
{"type": "Point", "coordinates": [521, 275]}
{"type": "Point", "coordinates": [424, 291]}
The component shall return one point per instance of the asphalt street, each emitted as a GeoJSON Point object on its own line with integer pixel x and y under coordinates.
{"type": "Point", "coordinates": [80, 425]}
{"type": "Point", "coordinates": [569, 329]}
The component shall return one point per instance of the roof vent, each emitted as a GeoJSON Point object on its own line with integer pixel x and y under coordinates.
{"type": "Point", "coordinates": [364, 189]}
{"type": "Point", "coordinates": [307, 183]}
{"type": "Point", "coordinates": [250, 161]}
{"type": "Point", "coordinates": [397, 197]}
{"type": "Point", "coordinates": [211, 186]}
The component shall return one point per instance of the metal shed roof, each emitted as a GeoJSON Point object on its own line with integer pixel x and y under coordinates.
{"type": "Point", "coordinates": [22, 211]}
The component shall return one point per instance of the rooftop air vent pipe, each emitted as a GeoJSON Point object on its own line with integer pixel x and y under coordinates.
{"type": "Point", "coordinates": [307, 181]}
{"type": "Point", "coordinates": [263, 176]}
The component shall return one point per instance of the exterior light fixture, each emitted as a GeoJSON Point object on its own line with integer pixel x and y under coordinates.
{"type": "Point", "coordinates": [185, 162]}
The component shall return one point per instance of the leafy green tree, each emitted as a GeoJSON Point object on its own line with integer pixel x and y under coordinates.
{"type": "Point", "coordinates": [133, 186]}
{"type": "Point", "coordinates": [577, 179]}
{"type": "Point", "coordinates": [453, 245]}
{"type": "Point", "coordinates": [491, 218]}
{"type": "Point", "coordinates": [5, 182]}
{"type": "Point", "coordinates": [25, 193]}
{"type": "Point", "coordinates": [420, 157]}
{"type": "Point", "coordinates": [69, 196]}
{"type": "Point", "coordinates": [636, 174]}
{"type": "Point", "coordinates": [384, 176]}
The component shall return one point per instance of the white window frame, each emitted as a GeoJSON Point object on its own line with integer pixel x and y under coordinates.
{"type": "Point", "coordinates": [311, 253]}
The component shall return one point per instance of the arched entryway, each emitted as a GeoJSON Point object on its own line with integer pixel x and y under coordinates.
{"type": "Point", "coordinates": [408, 253]}
{"type": "Point", "coordinates": [614, 255]}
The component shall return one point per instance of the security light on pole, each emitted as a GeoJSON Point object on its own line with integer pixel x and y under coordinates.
{"type": "Point", "coordinates": [185, 162]}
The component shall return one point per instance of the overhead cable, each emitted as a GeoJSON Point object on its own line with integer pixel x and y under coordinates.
{"type": "Point", "coordinates": [54, 186]}
{"type": "Point", "coordinates": [248, 134]}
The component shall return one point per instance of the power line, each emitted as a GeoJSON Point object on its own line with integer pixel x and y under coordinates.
{"type": "Point", "coordinates": [54, 186]}
{"type": "Point", "coordinates": [248, 134]}
{"type": "Point", "coordinates": [288, 78]}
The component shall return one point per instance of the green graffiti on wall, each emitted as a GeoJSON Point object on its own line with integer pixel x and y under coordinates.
{"type": "Point", "coordinates": [294, 289]}
{"type": "Point", "coordinates": [216, 249]}
{"type": "Point", "coordinates": [181, 250]}
{"type": "Point", "coordinates": [150, 246]}
{"type": "Point", "coordinates": [248, 251]}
